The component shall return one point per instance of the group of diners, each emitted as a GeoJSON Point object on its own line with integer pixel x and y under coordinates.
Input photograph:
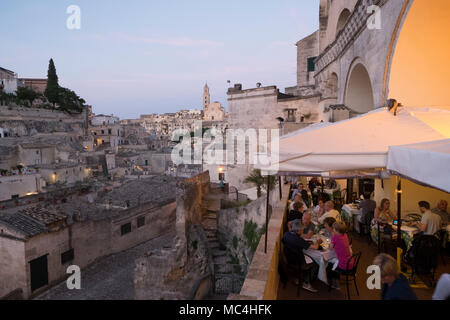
{"type": "Point", "coordinates": [431, 222]}
{"type": "Point", "coordinates": [301, 229]}
{"type": "Point", "coordinates": [304, 221]}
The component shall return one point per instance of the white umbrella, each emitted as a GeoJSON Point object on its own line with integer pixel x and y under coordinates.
{"type": "Point", "coordinates": [360, 143]}
{"type": "Point", "coordinates": [425, 163]}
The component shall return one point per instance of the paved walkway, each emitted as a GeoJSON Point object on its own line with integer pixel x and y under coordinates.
{"type": "Point", "coordinates": [110, 278]}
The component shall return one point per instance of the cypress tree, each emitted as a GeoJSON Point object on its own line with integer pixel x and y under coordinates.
{"type": "Point", "coordinates": [52, 77]}
{"type": "Point", "coordinates": [52, 90]}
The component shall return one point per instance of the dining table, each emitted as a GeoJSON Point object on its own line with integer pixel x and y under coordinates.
{"type": "Point", "coordinates": [407, 232]}
{"type": "Point", "coordinates": [351, 214]}
{"type": "Point", "coordinates": [322, 257]}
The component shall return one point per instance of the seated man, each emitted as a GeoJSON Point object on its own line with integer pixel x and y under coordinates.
{"type": "Point", "coordinates": [303, 193]}
{"type": "Point", "coordinates": [297, 212]}
{"type": "Point", "coordinates": [309, 226]}
{"type": "Point", "coordinates": [329, 212]}
{"type": "Point", "coordinates": [295, 241]}
{"type": "Point", "coordinates": [442, 211]}
{"type": "Point", "coordinates": [431, 222]}
{"type": "Point", "coordinates": [366, 206]}
{"type": "Point", "coordinates": [297, 198]}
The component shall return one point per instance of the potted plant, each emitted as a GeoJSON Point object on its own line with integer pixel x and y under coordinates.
{"type": "Point", "coordinates": [19, 167]}
{"type": "Point", "coordinates": [3, 172]}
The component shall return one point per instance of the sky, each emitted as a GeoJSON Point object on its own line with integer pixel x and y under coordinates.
{"type": "Point", "coordinates": [142, 56]}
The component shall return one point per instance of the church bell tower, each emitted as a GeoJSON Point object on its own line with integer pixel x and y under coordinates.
{"type": "Point", "coordinates": [206, 97]}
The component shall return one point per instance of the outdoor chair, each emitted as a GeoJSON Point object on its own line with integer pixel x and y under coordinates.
{"type": "Point", "coordinates": [442, 236]}
{"type": "Point", "coordinates": [350, 275]}
{"type": "Point", "coordinates": [365, 226]}
{"type": "Point", "coordinates": [296, 264]}
{"type": "Point", "coordinates": [423, 256]}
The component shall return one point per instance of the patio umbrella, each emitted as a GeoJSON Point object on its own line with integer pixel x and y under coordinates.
{"type": "Point", "coordinates": [358, 144]}
{"type": "Point", "coordinates": [424, 163]}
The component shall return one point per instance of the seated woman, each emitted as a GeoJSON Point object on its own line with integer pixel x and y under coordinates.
{"type": "Point", "coordinates": [383, 213]}
{"type": "Point", "coordinates": [341, 245]}
{"type": "Point", "coordinates": [328, 224]}
{"type": "Point", "coordinates": [395, 284]}
{"type": "Point", "coordinates": [382, 217]}
{"type": "Point", "coordinates": [319, 210]}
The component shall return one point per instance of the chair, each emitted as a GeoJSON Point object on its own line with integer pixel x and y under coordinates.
{"type": "Point", "coordinates": [442, 236]}
{"type": "Point", "coordinates": [366, 225]}
{"type": "Point", "coordinates": [350, 275]}
{"type": "Point", "coordinates": [423, 256]}
{"type": "Point", "coordinates": [295, 261]}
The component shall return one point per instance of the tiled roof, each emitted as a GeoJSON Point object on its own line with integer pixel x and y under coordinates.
{"type": "Point", "coordinates": [22, 223]}
{"type": "Point", "coordinates": [43, 215]}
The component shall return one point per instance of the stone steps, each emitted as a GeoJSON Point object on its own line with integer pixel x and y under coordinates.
{"type": "Point", "coordinates": [218, 253]}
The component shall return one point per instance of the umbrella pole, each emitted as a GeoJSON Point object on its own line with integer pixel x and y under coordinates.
{"type": "Point", "coordinates": [267, 213]}
{"type": "Point", "coordinates": [279, 184]}
{"type": "Point", "coordinates": [399, 221]}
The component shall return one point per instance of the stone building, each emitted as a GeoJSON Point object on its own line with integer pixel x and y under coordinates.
{"type": "Point", "coordinates": [39, 241]}
{"type": "Point", "coordinates": [38, 85]}
{"type": "Point", "coordinates": [212, 111]}
{"type": "Point", "coordinates": [8, 81]}
{"type": "Point", "coordinates": [363, 52]}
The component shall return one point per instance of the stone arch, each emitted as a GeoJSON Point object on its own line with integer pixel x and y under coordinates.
{"type": "Point", "coordinates": [332, 85]}
{"type": "Point", "coordinates": [358, 91]}
{"type": "Point", "coordinates": [417, 70]}
{"type": "Point", "coordinates": [342, 20]}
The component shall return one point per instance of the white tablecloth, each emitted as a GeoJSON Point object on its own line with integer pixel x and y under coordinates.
{"type": "Point", "coordinates": [322, 258]}
{"type": "Point", "coordinates": [354, 213]}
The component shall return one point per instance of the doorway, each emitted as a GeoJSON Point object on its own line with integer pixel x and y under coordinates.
{"type": "Point", "coordinates": [39, 272]}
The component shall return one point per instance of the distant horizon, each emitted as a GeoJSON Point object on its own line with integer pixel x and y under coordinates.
{"type": "Point", "coordinates": [148, 57]}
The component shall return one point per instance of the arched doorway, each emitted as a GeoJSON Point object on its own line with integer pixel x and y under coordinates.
{"type": "Point", "coordinates": [343, 17]}
{"type": "Point", "coordinates": [420, 71]}
{"type": "Point", "coordinates": [358, 93]}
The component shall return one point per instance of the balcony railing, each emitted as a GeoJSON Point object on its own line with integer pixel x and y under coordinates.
{"type": "Point", "coordinates": [355, 24]}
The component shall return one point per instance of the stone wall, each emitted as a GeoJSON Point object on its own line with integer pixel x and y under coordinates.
{"type": "Point", "coordinates": [27, 121]}
{"type": "Point", "coordinates": [174, 272]}
{"type": "Point", "coordinates": [239, 229]}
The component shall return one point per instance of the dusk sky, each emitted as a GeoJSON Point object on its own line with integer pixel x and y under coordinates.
{"type": "Point", "coordinates": [139, 57]}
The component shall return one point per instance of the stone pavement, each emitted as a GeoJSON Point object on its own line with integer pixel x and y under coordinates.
{"type": "Point", "coordinates": [110, 278]}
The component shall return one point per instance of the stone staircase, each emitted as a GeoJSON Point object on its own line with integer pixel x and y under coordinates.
{"type": "Point", "coordinates": [211, 204]}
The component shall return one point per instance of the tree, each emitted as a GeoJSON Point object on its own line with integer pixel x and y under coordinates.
{"type": "Point", "coordinates": [69, 101]}
{"type": "Point", "coordinates": [24, 93]}
{"type": "Point", "coordinates": [52, 77]}
{"type": "Point", "coordinates": [52, 90]}
{"type": "Point", "coordinates": [257, 179]}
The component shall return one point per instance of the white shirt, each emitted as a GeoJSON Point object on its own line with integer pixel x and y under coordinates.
{"type": "Point", "coordinates": [332, 214]}
{"type": "Point", "coordinates": [442, 291]}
